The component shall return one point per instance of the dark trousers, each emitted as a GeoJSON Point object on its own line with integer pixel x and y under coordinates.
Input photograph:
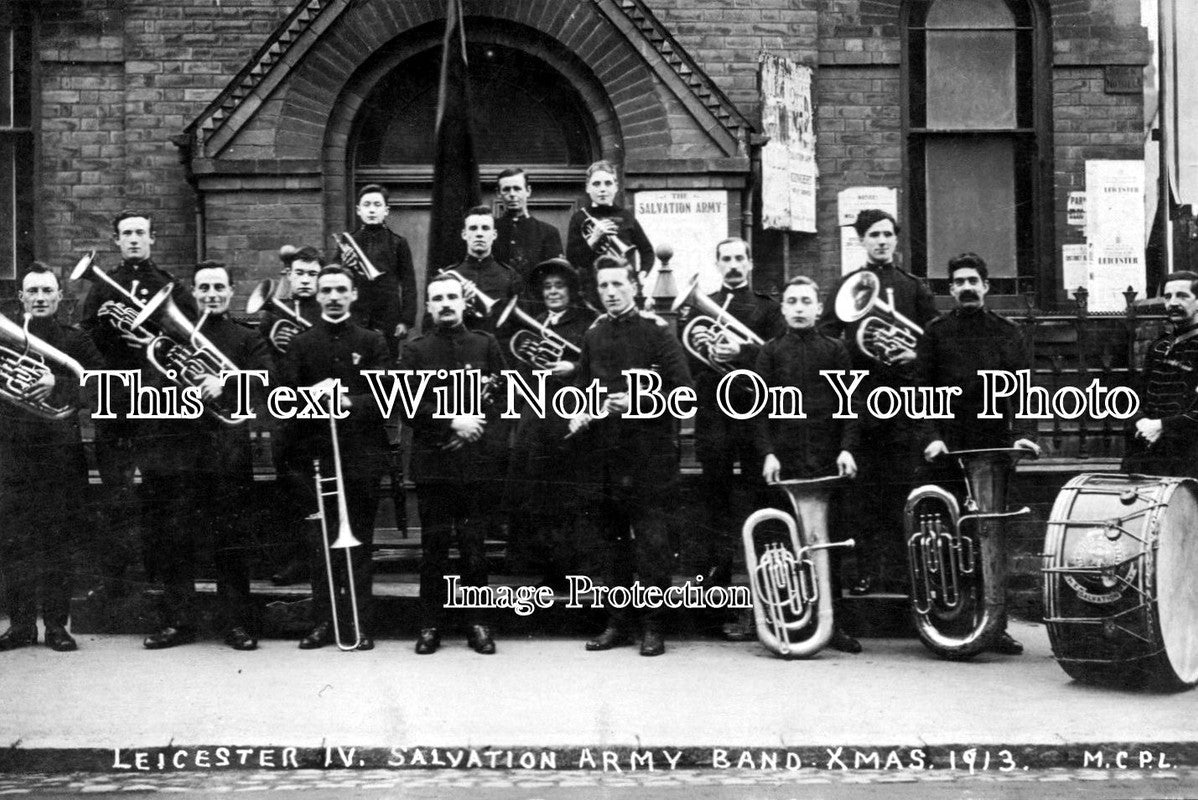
{"type": "Point", "coordinates": [114, 545]}
{"type": "Point", "coordinates": [721, 443]}
{"type": "Point", "coordinates": [36, 548]}
{"type": "Point", "coordinates": [362, 500]}
{"type": "Point", "coordinates": [886, 465]}
{"type": "Point", "coordinates": [446, 507]}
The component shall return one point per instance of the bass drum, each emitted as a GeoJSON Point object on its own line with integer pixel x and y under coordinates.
{"type": "Point", "coordinates": [1120, 587]}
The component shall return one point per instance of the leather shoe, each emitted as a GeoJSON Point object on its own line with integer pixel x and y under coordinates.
{"type": "Point", "coordinates": [611, 637]}
{"type": "Point", "coordinates": [652, 644]}
{"type": "Point", "coordinates": [320, 636]}
{"type": "Point", "coordinates": [238, 639]}
{"type": "Point", "coordinates": [429, 641]}
{"type": "Point", "coordinates": [292, 573]}
{"type": "Point", "coordinates": [843, 642]}
{"type": "Point", "coordinates": [169, 637]}
{"type": "Point", "coordinates": [58, 640]}
{"type": "Point", "coordinates": [480, 639]}
{"type": "Point", "coordinates": [365, 643]}
{"type": "Point", "coordinates": [862, 586]}
{"type": "Point", "coordinates": [1003, 644]}
{"type": "Point", "coordinates": [16, 637]}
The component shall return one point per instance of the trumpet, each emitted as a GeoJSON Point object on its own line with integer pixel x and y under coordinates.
{"type": "Point", "coordinates": [609, 244]}
{"type": "Point", "coordinates": [120, 315]}
{"type": "Point", "coordinates": [792, 585]}
{"type": "Point", "coordinates": [535, 344]}
{"type": "Point", "coordinates": [345, 535]}
{"type": "Point", "coordinates": [710, 325]}
{"type": "Point", "coordinates": [473, 294]}
{"type": "Point", "coordinates": [273, 293]}
{"type": "Point", "coordinates": [885, 334]}
{"type": "Point", "coordinates": [958, 589]}
{"type": "Point", "coordinates": [181, 352]}
{"type": "Point", "coordinates": [24, 360]}
{"type": "Point", "coordinates": [353, 258]}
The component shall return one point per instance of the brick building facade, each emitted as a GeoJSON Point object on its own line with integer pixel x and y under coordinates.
{"type": "Point", "coordinates": [243, 124]}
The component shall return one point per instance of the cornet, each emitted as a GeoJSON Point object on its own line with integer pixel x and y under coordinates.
{"type": "Point", "coordinates": [609, 244]}
{"type": "Point", "coordinates": [792, 585]}
{"type": "Point", "coordinates": [24, 360]}
{"type": "Point", "coordinates": [535, 344]}
{"type": "Point", "coordinates": [709, 326]}
{"type": "Point", "coordinates": [472, 293]}
{"type": "Point", "coordinates": [290, 322]}
{"type": "Point", "coordinates": [882, 336]}
{"type": "Point", "coordinates": [353, 258]}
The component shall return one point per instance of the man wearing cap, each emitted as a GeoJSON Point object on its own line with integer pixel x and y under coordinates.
{"type": "Point", "coordinates": [889, 447]}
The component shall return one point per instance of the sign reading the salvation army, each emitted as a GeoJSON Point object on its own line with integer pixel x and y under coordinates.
{"type": "Point", "coordinates": [692, 222]}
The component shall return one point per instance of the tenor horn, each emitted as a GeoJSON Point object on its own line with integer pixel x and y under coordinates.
{"type": "Point", "coordinates": [535, 344]}
{"type": "Point", "coordinates": [883, 332]}
{"type": "Point", "coordinates": [791, 582]}
{"type": "Point", "coordinates": [273, 293]}
{"type": "Point", "coordinates": [24, 360]}
{"type": "Point", "coordinates": [710, 325]}
{"type": "Point", "coordinates": [354, 258]}
{"type": "Point", "coordinates": [956, 561]}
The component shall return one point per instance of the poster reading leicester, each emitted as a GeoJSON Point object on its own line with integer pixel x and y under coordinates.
{"type": "Point", "coordinates": [788, 169]}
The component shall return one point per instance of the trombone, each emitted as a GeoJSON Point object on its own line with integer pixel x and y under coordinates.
{"type": "Point", "coordinates": [345, 535]}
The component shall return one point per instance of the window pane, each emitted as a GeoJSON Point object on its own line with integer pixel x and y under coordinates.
{"type": "Point", "coordinates": [971, 202]}
{"type": "Point", "coordinates": [970, 14]}
{"type": "Point", "coordinates": [970, 79]}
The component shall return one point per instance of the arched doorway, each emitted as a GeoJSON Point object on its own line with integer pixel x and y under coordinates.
{"type": "Point", "coordinates": [525, 113]}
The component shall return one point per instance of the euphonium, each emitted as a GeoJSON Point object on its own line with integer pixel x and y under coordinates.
{"type": "Point", "coordinates": [120, 314]}
{"type": "Point", "coordinates": [609, 244]}
{"type": "Point", "coordinates": [180, 352]}
{"type": "Point", "coordinates": [353, 258]}
{"type": "Point", "coordinates": [472, 292]}
{"type": "Point", "coordinates": [792, 584]}
{"type": "Point", "coordinates": [884, 334]}
{"type": "Point", "coordinates": [958, 581]}
{"type": "Point", "coordinates": [290, 322]}
{"type": "Point", "coordinates": [711, 324]}
{"type": "Point", "coordinates": [24, 360]}
{"type": "Point", "coordinates": [535, 344]}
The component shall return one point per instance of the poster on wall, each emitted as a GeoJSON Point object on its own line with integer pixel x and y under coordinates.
{"type": "Point", "coordinates": [692, 222]}
{"type": "Point", "coordinates": [1114, 197]}
{"type": "Point", "coordinates": [788, 169]}
{"type": "Point", "coordinates": [848, 203]}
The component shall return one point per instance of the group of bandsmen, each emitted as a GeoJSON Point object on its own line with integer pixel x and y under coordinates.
{"type": "Point", "coordinates": [593, 493]}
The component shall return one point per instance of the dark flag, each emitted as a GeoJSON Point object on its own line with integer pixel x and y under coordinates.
{"type": "Point", "coordinates": [455, 170]}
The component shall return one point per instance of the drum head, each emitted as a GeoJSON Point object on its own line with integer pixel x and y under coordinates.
{"type": "Point", "coordinates": [1177, 582]}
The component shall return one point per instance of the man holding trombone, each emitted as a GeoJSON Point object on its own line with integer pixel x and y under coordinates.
{"type": "Point", "coordinates": [339, 348]}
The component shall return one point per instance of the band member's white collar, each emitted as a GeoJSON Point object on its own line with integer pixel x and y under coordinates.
{"type": "Point", "coordinates": [327, 318]}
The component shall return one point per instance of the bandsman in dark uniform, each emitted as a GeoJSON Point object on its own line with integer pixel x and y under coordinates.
{"type": "Point", "coordinates": [1166, 429]}
{"type": "Point", "coordinates": [631, 468]}
{"type": "Point", "coordinates": [303, 266]}
{"type": "Point", "coordinates": [219, 464]}
{"type": "Point", "coordinates": [494, 279]}
{"type": "Point", "coordinates": [954, 347]}
{"type": "Point", "coordinates": [454, 461]}
{"type": "Point", "coordinates": [43, 478]}
{"type": "Point", "coordinates": [889, 448]}
{"type": "Point", "coordinates": [339, 347]}
{"type": "Point", "coordinates": [522, 240]}
{"type": "Point", "coordinates": [599, 226]}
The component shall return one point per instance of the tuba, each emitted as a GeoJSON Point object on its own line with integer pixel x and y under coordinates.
{"type": "Point", "coordinates": [180, 352]}
{"type": "Point", "coordinates": [353, 258]}
{"type": "Point", "coordinates": [24, 360]}
{"type": "Point", "coordinates": [883, 332]}
{"type": "Point", "coordinates": [958, 586]}
{"type": "Point", "coordinates": [273, 293]}
{"type": "Point", "coordinates": [792, 582]}
{"type": "Point", "coordinates": [609, 244]}
{"type": "Point", "coordinates": [535, 344]}
{"type": "Point", "coordinates": [474, 296]}
{"type": "Point", "coordinates": [119, 314]}
{"type": "Point", "coordinates": [710, 325]}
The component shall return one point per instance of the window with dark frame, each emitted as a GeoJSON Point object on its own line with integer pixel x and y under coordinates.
{"type": "Point", "coordinates": [973, 138]}
{"type": "Point", "coordinates": [16, 143]}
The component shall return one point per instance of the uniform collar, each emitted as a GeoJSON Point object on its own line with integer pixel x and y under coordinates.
{"type": "Point", "coordinates": [624, 316]}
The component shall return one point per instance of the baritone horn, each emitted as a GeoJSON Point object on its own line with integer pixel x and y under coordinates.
{"type": "Point", "coordinates": [956, 561]}
{"type": "Point", "coordinates": [535, 344]}
{"type": "Point", "coordinates": [710, 325]}
{"type": "Point", "coordinates": [883, 332]}
{"type": "Point", "coordinates": [334, 486]}
{"type": "Point", "coordinates": [609, 244]}
{"type": "Point", "coordinates": [121, 313]}
{"type": "Point", "coordinates": [24, 360]}
{"type": "Point", "coordinates": [791, 582]}
{"type": "Point", "coordinates": [273, 293]}
{"type": "Point", "coordinates": [353, 258]}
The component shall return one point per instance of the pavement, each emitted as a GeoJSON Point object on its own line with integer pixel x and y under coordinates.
{"type": "Point", "coordinates": [545, 704]}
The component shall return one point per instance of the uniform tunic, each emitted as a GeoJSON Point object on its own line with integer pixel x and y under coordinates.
{"type": "Point", "coordinates": [1169, 388]}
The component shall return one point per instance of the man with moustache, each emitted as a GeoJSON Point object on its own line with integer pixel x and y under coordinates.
{"type": "Point", "coordinates": [632, 465]}
{"type": "Point", "coordinates": [952, 350]}
{"type": "Point", "coordinates": [1165, 441]}
{"type": "Point", "coordinates": [480, 267]}
{"type": "Point", "coordinates": [43, 478]}
{"type": "Point", "coordinates": [888, 453]}
{"type": "Point", "coordinates": [720, 441]}
{"type": "Point", "coordinates": [337, 347]}
{"type": "Point", "coordinates": [220, 466]}
{"type": "Point", "coordinates": [454, 461]}
{"type": "Point", "coordinates": [522, 240]}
